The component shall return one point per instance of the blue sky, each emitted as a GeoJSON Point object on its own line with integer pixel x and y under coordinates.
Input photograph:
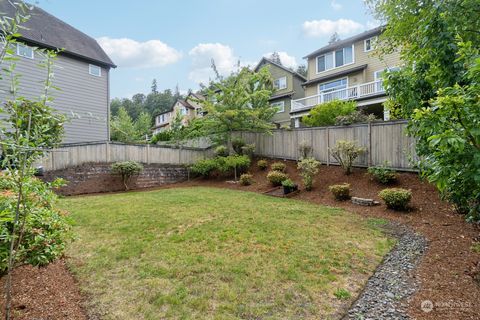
{"type": "Point", "coordinates": [175, 40]}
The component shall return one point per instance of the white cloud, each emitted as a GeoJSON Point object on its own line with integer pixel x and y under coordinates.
{"type": "Point", "coordinates": [286, 59]}
{"type": "Point", "coordinates": [373, 24]}
{"type": "Point", "coordinates": [335, 5]}
{"type": "Point", "coordinates": [324, 27]}
{"type": "Point", "coordinates": [202, 56]}
{"type": "Point", "coordinates": [129, 53]}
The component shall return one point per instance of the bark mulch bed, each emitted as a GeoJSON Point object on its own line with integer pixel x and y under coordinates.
{"type": "Point", "coordinates": [447, 274]}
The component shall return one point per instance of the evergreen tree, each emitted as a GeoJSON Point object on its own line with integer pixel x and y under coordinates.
{"type": "Point", "coordinates": [275, 57]}
{"type": "Point", "coordinates": [154, 86]}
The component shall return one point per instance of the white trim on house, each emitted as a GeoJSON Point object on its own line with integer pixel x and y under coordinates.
{"type": "Point", "coordinates": [333, 59]}
{"type": "Point", "coordinates": [280, 105]}
{"type": "Point", "coordinates": [334, 88]}
{"type": "Point", "coordinates": [92, 68]}
{"type": "Point", "coordinates": [27, 49]}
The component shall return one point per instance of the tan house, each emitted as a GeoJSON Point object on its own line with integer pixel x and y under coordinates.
{"type": "Point", "coordinates": [288, 86]}
{"type": "Point", "coordinates": [346, 70]}
{"type": "Point", "coordinates": [187, 109]}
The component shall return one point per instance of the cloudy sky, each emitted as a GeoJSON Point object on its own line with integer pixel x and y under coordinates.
{"type": "Point", "coordinates": [175, 40]}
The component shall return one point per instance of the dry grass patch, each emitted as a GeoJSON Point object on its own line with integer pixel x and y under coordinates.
{"type": "Point", "coordinates": [206, 253]}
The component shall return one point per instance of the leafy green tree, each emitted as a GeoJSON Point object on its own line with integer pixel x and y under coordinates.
{"type": "Point", "coordinates": [238, 102]}
{"type": "Point", "coordinates": [123, 128]}
{"type": "Point", "coordinates": [143, 125]}
{"type": "Point", "coordinates": [325, 114]}
{"type": "Point", "coordinates": [438, 89]}
{"type": "Point", "coordinates": [302, 69]}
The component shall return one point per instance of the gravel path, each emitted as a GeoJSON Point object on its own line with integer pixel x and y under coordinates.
{"type": "Point", "coordinates": [392, 281]}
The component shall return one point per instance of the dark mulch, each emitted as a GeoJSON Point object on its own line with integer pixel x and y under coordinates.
{"type": "Point", "coordinates": [447, 274]}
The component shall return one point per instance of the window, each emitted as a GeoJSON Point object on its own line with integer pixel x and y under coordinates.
{"type": "Point", "coordinates": [369, 44]}
{"type": "Point", "coordinates": [335, 59]}
{"type": "Point", "coordinates": [24, 51]}
{"type": "Point", "coordinates": [94, 70]}
{"type": "Point", "coordinates": [184, 111]}
{"type": "Point", "coordinates": [280, 83]}
{"type": "Point", "coordinates": [280, 106]}
{"type": "Point", "coordinates": [332, 85]}
{"type": "Point", "coordinates": [377, 75]}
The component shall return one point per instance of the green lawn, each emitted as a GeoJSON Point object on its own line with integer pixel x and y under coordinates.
{"type": "Point", "coordinates": [205, 253]}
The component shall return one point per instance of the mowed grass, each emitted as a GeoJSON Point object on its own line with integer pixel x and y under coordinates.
{"type": "Point", "coordinates": [206, 253]}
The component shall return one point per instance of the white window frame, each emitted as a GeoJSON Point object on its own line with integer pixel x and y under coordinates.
{"type": "Point", "coordinates": [32, 56]}
{"type": "Point", "coordinates": [375, 73]}
{"type": "Point", "coordinates": [90, 66]}
{"type": "Point", "coordinates": [279, 79]}
{"type": "Point", "coordinates": [184, 111]}
{"type": "Point", "coordinates": [372, 40]}
{"type": "Point", "coordinates": [330, 90]}
{"type": "Point", "coordinates": [280, 105]}
{"type": "Point", "coordinates": [334, 62]}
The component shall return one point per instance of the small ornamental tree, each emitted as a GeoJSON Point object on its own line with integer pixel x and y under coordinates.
{"type": "Point", "coordinates": [345, 152]}
{"type": "Point", "coordinates": [127, 170]}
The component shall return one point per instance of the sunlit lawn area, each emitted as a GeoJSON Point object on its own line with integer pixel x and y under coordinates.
{"type": "Point", "coordinates": [205, 253]}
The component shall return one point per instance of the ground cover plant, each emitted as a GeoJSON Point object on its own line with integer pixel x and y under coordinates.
{"type": "Point", "coordinates": [237, 255]}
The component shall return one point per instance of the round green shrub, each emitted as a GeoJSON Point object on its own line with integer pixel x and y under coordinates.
{"type": "Point", "coordinates": [246, 179]}
{"type": "Point", "coordinates": [204, 167]}
{"type": "Point", "coordinates": [127, 169]}
{"type": "Point", "coordinates": [396, 198]}
{"type": "Point", "coordinates": [221, 151]}
{"type": "Point", "coordinates": [341, 192]}
{"type": "Point", "coordinates": [237, 145]}
{"type": "Point", "coordinates": [383, 174]}
{"type": "Point", "coordinates": [262, 164]}
{"type": "Point", "coordinates": [278, 166]}
{"type": "Point", "coordinates": [276, 177]}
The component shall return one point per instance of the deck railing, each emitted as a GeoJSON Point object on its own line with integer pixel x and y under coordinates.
{"type": "Point", "coordinates": [350, 93]}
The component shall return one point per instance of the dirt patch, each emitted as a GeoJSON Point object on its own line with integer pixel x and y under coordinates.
{"type": "Point", "coordinates": [44, 293]}
{"type": "Point", "coordinates": [446, 273]}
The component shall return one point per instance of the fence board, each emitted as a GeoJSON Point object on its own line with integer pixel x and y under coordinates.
{"type": "Point", "coordinates": [384, 141]}
{"type": "Point", "coordinates": [74, 155]}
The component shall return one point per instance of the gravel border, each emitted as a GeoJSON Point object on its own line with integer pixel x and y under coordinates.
{"type": "Point", "coordinates": [392, 281]}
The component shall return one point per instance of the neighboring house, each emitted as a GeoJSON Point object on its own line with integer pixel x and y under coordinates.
{"type": "Point", "coordinates": [346, 70]}
{"type": "Point", "coordinates": [288, 86]}
{"type": "Point", "coordinates": [188, 109]}
{"type": "Point", "coordinates": [81, 71]}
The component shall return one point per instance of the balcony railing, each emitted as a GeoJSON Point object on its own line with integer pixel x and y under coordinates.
{"type": "Point", "coordinates": [350, 93]}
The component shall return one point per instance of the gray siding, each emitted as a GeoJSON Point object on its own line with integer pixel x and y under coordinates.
{"type": "Point", "coordinates": [82, 97]}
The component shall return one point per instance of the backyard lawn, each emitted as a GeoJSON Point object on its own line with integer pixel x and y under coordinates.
{"type": "Point", "coordinates": [207, 253]}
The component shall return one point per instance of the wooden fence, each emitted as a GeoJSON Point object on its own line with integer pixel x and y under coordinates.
{"type": "Point", "coordinates": [384, 142]}
{"type": "Point", "coordinates": [108, 152]}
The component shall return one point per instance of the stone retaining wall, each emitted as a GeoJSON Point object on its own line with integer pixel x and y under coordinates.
{"type": "Point", "coordinates": [97, 178]}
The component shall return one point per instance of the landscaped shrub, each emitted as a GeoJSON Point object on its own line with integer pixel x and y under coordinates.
{"type": "Point", "coordinates": [354, 117]}
{"type": "Point", "coordinates": [276, 177]}
{"type": "Point", "coordinates": [326, 113]}
{"type": "Point", "coordinates": [233, 163]}
{"type": "Point", "coordinates": [308, 169]}
{"type": "Point", "coordinates": [221, 151]}
{"type": "Point", "coordinates": [289, 186]}
{"type": "Point", "coordinates": [127, 170]}
{"type": "Point", "coordinates": [396, 198]}
{"type": "Point", "coordinates": [304, 149]}
{"type": "Point", "coordinates": [246, 179]}
{"type": "Point", "coordinates": [262, 164]}
{"type": "Point", "coordinates": [248, 150]}
{"type": "Point", "coordinates": [46, 229]}
{"type": "Point", "coordinates": [166, 135]}
{"type": "Point", "coordinates": [204, 167]}
{"type": "Point", "coordinates": [237, 145]}
{"type": "Point", "coordinates": [278, 166]}
{"type": "Point", "coordinates": [341, 192]}
{"type": "Point", "coordinates": [345, 152]}
{"type": "Point", "coordinates": [383, 174]}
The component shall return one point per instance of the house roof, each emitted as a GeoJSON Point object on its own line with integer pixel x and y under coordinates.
{"type": "Point", "coordinates": [266, 60]}
{"type": "Point", "coordinates": [181, 101]}
{"type": "Point", "coordinates": [283, 95]}
{"type": "Point", "coordinates": [335, 75]}
{"type": "Point", "coordinates": [196, 96]}
{"type": "Point", "coordinates": [45, 30]}
{"type": "Point", "coordinates": [341, 43]}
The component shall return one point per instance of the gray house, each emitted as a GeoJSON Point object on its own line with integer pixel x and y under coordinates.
{"type": "Point", "coordinates": [81, 71]}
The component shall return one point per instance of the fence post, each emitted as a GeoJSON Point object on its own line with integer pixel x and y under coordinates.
{"type": "Point", "coordinates": [369, 144]}
{"type": "Point", "coordinates": [53, 159]}
{"type": "Point", "coordinates": [328, 146]}
{"type": "Point", "coordinates": [107, 152]}
{"type": "Point", "coordinates": [148, 153]}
